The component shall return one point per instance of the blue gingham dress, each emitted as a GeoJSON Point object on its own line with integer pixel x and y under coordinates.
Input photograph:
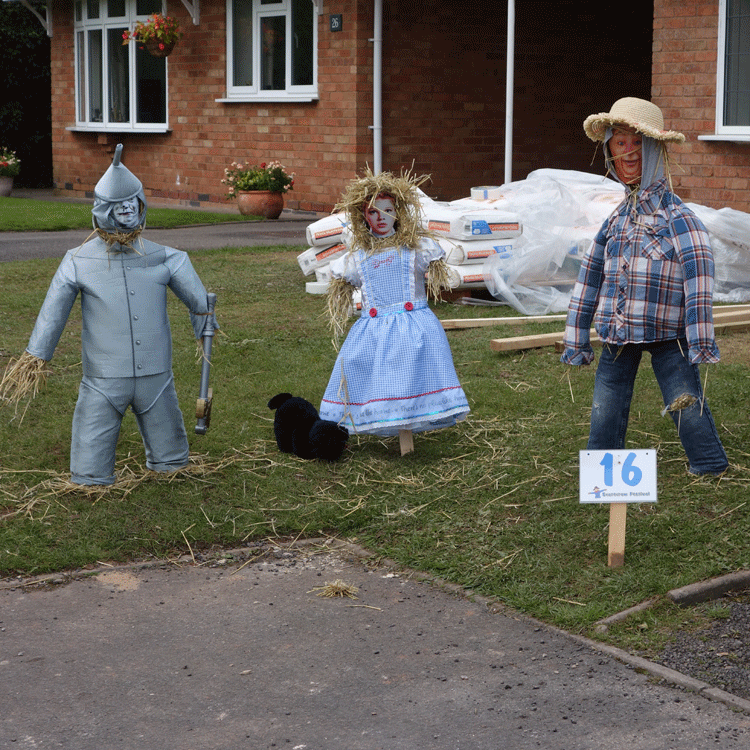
{"type": "Point", "coordinates": [395, 369]}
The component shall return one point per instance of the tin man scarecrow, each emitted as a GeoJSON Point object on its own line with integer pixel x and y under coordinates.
{"type": "Point", "coordinates": [125, 340]}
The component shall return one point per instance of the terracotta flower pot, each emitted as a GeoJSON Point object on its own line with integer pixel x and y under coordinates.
{"type": "Point", "coordinates": [6, 185]}
{"type": "Point", "coordinates": [153, 46]}
{"type": "Point", "coordinates": [260, 203]}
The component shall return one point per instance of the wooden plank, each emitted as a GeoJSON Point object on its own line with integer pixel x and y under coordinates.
{"type": "Point", "coordinates": [722, 328]}
{"type": "Point", "coordinates": [730, 316]}
{"type": "Point", "coordinates": [453, 323]}
{"type": "Point", "coordinates": [724, 323]}
{"type": "Point", "coordinates": [722, 313]}
{"type": "Point", "coordinates": [513, 343]}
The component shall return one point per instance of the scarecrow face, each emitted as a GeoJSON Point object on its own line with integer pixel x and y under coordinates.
{"type": "Point", "coordinates": [380, 216]}
{"type": "Point", "coordinates": [625, 149]}
{"type": "Point", "coordinates": [126, 213]}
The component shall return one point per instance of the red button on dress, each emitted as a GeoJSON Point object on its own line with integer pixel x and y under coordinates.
{"type": "Point", "coordinates": [408, 306]}
{"type": "Point", "coordinates": [373, 312]}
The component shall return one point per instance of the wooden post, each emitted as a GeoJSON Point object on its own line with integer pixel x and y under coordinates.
{"type": "Point", "coordinates": [617, 518]}
{"type": "Point", "coordinates": [406, 441]}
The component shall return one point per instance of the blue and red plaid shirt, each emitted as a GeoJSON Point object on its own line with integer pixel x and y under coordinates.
{"type": "Point", "coordinates": [648, 277]}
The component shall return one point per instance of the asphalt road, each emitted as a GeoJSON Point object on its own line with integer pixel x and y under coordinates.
{"type": "Point", "coordinates": [284, 231]}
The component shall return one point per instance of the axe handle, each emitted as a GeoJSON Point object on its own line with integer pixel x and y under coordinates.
{"type": "Point", "coordinates": [208, 341]}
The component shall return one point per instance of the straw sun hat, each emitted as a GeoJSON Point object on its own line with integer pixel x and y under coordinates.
{"type": "Point", "coordinates": [639, 114]}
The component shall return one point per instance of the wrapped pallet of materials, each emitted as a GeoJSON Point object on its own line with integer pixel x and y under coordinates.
{"type": "Point", "coordinates": [316, 257]}
{"type": "Point", "coordinates": [330, 230]}
{"type": "Point", "coordinates": [486, 192]}
{"type": "Point", "coordinates": [316, 287]}
{"type": "Point", "coordinates": [466, 223]}
{"type": "Point", "coordinates": [467, 277]}
{"type": "Point", "coordinates": [468, 252]}
{"type": "Point", "coordinates": [323, 273]}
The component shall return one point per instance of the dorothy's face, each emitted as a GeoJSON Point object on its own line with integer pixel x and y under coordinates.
{"type": "Point", "coordinates": [126, 213]}
{"type": "Point", "coordinates": [380, 216]}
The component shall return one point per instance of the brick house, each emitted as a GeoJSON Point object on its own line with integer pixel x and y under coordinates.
{"type": "Point", "coordinates": [296, 80]}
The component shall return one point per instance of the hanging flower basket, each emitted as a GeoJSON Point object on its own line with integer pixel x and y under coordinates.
{"type": "Point", "coordinates": [158, 34]}
{"type": "Point", "coordinates": [159, 49]}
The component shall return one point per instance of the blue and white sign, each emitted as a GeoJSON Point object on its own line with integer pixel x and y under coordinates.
{"type": "Point", "coordinates": [620, 476]}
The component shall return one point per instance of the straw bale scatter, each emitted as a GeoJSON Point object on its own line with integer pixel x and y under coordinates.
{"type": "Point", "coordinates": [337, 588]}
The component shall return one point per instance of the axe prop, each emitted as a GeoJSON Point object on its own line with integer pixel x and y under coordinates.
{"type": "Point", "coordinates": [206, 396]}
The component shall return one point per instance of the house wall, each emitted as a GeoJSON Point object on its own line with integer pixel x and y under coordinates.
{"type": "Point", "coordinates": [322, 142]}
{"type": "Point", "coordinates": [443, 99]}
{"type": "Point", "coordinates": [712, 173]}
{"type": "Point", "coordinates": [445, 74]}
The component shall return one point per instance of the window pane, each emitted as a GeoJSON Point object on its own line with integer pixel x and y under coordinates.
{"type": "Point", "coordinates": [737, 64]}
{"type": "Point", "coordinates": [95, 113]}
{"type": "Point", "coordinates": [147, 7]}
{"type": "Point", "coordinates": [119, 99]}
{"type": "Point", "coordinates": [273, 53]}
{"type": "Point", "coordinates": [302, 42]}
{"type": "Point", "coordinates": [151, 96]}
{"type": "Point", "coordinates": [79, 10]}
{"type": "Point", "coordinates": [81, 73]}
{"type": "Point", "coordinates": [92, 9]}
{"type": "Point", "coordinates": [115, 8]}
{"type": "Point", "coordinates": [242, 43]}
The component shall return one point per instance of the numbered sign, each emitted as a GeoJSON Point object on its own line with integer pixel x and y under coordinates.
{"type": "Point", "coordinates": [336, 21]}
{"type": "Point", "coordinates": [621, 476]}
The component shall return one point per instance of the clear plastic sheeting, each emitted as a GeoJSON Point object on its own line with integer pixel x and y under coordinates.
{"type": "Point", "coordinates": [729, 231]}
{"type": "Point", "coordinates": [561, 212]}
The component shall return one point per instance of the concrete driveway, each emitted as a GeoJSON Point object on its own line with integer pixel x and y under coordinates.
{"type": "Point", "coordinates": [244, 651]}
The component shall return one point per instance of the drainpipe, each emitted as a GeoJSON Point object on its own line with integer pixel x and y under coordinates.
{"type": "Point", "coordinates": [509, 75]}
{"type": "Point", "coordinates": [377, 88]}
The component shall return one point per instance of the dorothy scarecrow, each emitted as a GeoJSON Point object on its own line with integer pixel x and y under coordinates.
{"type": "Point", "coordinates": [394, 373]}
{"type": "Point", "coordinates": [125, 339]}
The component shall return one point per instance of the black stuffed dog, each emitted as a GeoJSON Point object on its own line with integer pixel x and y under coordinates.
{"type": "Point", "coordinates": [299, 429]}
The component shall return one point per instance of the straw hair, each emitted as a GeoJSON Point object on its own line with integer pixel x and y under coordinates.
{"type": "Point", "coordinates": [641, 115]}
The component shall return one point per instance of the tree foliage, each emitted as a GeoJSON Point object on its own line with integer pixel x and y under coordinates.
{"type": "Point", "coordinates": [25, 106]}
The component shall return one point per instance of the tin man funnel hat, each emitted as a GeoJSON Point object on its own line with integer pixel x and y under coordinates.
{"type": "Point", "coordinates": [117, 184]}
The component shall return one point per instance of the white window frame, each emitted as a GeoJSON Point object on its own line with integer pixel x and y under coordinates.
{"type": "Point", "coordinates": [727, 132]}
{"type": "Point", "coordinates": [254, 93]}
{"type": "Point", "coordinates": [104, 23]}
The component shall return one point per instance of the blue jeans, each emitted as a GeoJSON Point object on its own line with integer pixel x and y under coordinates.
{"type": "Point", "coordinates": [613, 392]}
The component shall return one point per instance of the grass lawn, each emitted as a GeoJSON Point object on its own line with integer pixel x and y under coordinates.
{"type": "Point", "coordinates": [491, 504]}
{"type": "Point", "coordinates": [29, 215]}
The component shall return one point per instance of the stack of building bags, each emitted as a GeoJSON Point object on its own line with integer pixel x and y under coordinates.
{"type": "Point", "coordinates": [468, 231]}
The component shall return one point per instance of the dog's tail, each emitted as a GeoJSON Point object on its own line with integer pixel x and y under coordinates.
{"type": "Point", "coordinates": [278, 400]}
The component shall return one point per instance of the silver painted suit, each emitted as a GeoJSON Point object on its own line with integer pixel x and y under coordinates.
{"type": "Point", "coordinates": [126, 347]}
